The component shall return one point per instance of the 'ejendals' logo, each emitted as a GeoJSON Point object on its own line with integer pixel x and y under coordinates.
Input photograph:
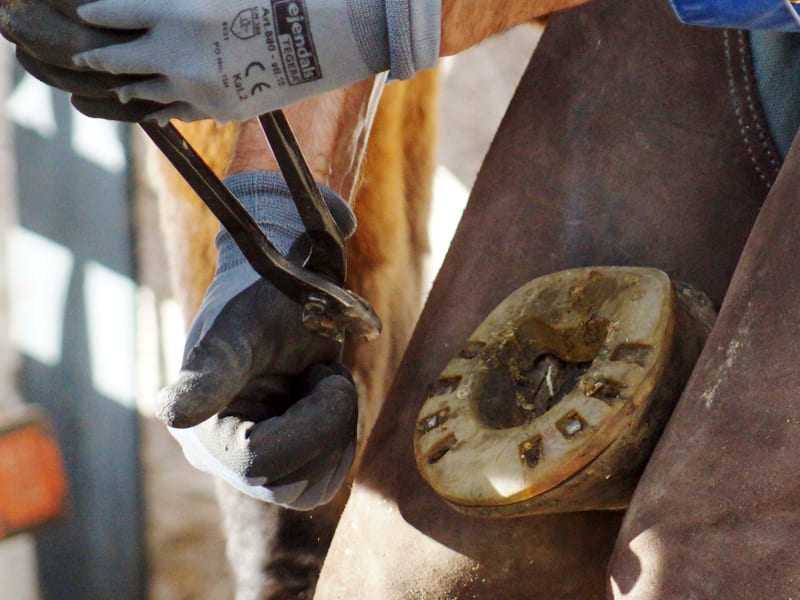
{"type": "Point", "coordinates": [296, 45]}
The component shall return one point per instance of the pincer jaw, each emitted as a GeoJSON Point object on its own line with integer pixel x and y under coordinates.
{"type": "Point", "coordinates": [335, 319]}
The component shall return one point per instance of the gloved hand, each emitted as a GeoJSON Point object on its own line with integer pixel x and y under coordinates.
{"type": "Point", "coordinates": [47, 39]}
{"type": "Point", "coordinates": [197, 59]}
{"type": "Point", "coordinates": [260, 401]}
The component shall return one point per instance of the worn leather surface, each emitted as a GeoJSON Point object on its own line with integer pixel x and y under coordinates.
{"type": "Point", "coordinates": [717, 513]}
{"type": "Point", "coordinates": [632, 141]}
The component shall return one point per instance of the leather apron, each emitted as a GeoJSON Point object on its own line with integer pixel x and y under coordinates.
{"type": "Point", "coordinates": [632, 140]}
{"type": "Point", "coordinates": [716, 513]}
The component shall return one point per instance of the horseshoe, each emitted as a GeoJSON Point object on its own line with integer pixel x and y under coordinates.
{"type": "Point", "coordinates": [557, 399]}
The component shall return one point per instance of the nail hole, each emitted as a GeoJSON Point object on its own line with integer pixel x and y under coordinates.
{"type": "Point", "coordinates": [530, 451]}
{"type": "Point", "coordinates": [571, 424]}
{"type": "Point", "coordinates": [633, 353]}
{"type": "Point", "coordinates": [433, 421]}
{"type": "Point", "coordinates": [446, 385]}
{"type": "Point", "coordinates": [602, 388]}
{"type": "Point", "coordinates": [441, 448]}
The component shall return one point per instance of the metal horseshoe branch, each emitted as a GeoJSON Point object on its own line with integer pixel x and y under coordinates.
{"type": "Point", "coordinates": [316, 285]}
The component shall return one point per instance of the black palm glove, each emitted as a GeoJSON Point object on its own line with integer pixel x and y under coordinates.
{"type": "Point", "coordinates": [48, 33]}
{"type": "Point", "coordinates": [261, 401]}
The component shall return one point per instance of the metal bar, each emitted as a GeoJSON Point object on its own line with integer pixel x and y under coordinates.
{"type": "Point", "coordinates": [327, 254]}
{"type": "Point", "coordinates": [255, 246]}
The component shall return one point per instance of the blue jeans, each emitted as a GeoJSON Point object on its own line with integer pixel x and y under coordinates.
{"type": "Point", "coordinates": [776, 61]}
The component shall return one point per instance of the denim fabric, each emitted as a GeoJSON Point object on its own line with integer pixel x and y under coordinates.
{"type": "Point", "coordinates": [776, 61]}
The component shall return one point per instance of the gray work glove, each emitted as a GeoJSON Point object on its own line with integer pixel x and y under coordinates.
{"type": "Point", "coordinates": [197, 59]}
{"type": "Point", "coordinates": [260, 401]}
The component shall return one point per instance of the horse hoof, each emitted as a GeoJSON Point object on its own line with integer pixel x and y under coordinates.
{"type": "Point", "coordinates": [557, 399]}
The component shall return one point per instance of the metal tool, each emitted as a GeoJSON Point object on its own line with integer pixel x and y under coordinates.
{"type": "Point", "coordinates": [328, 309]}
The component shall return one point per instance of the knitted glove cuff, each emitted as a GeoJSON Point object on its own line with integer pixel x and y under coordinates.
{"type": "Point", "coordinates": [265, 195]}
{"type": "Point", "coordinates": [401, 36]}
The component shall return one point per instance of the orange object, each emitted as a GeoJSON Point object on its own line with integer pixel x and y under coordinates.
{"type": "Point", "coordinates": [32, 480]}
